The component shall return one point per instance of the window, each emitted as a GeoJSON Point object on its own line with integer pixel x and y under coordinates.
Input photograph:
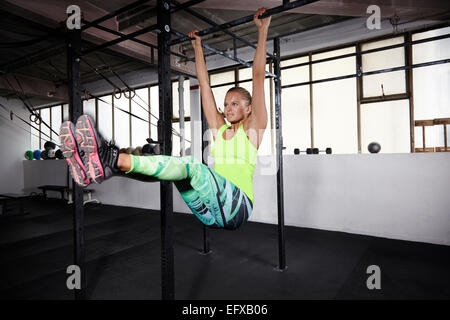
{"type": "Point", "coordinates": [139, 128]}
{"type": "Point", "coordinates": [333, 68]}
{"type": "Point", "coordinates": [105, 112]}
{"type": "Point", "coordinates": [335, 104]}
{"type": "Point", "coordinates": [296, 117]}
{"type": "Point", "coordinates": [223, 77]}
{"type": "Point", "coordinates": [34, 139]}
{"type": "Point", "coordinates": [295, 106]}
{"type": "Point", "coordinates": [175, 98]}
{"type": "Point", "coordinates": [154, 109]}
{"type": "Point", "coordinates": [432, 50]}
{"type": "Point", "coordinates": [45, 116]}
{"type": "Point", "coordinates": [384, 83]}
{"type": "Point", "coordinates": [297, 74]}
{"type": "Point", "coordinates": [65, 112]}
{"type": "Point", "coordinates": [388, 124]}
{"type": "Point", "coordinates": [122, 122]}
{"type": "Point", "coordinates": [89, 108]}
{"type": "Point", "coordinates": [56, 121]}
{"type": "Point", "coordinates": [431, 86]}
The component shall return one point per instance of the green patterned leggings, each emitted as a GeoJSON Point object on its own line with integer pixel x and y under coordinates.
{"type": "Point", "coordinates": [214, 200]}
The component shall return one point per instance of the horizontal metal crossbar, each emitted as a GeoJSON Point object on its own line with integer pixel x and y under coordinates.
{"type": "Point", "coordinates": [285, 7]}
{"type": "Point", "coordinates": [121, 38]}
{"type": "Point", "coordinates": [117, 33]}
{"type": "Point", "coordinates": [233, 83]}
{"type": "Point", "coordinates": [348, 55]}
{"type": "Point", "coordinates": [418, 65]}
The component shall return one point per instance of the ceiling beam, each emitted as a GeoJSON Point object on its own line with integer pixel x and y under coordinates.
{"type": "Point", "coordinates": [405, 9]}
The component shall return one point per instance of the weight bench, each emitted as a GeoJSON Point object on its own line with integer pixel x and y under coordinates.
{"type": "Point", "coordinates": [65, 190]}
{"type": "Point", "coordinates": [89, 193]}
{"type": "Point", "coordinates": [6, 198]}
{"type": "Point", "coordinates": [61, 189]}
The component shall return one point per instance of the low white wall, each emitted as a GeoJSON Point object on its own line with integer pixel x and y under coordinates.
{"type": "Point", "coordinates": [399, 196]}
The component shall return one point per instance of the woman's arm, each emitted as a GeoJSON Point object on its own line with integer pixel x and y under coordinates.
{"type": "Point", "coordinates": [213, 117]}
{"type": "Point", "coordinates": [258, 117]}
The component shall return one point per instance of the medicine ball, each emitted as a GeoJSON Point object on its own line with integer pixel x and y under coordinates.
{"type": "Point", "coordinates": [44, 154]}
{"type": "Point", "coordinates": [49, 145]}
{"type": "Point", "coordinates": [59, 154]}
{"type": "Point", "coordinates": [29, 155]}
{"type": "Point", "coordinates": [51, 153]}
{"type": "Point", "coordinates": [374, 147]}
{"type": "Point", "coordinates": [37, 154]}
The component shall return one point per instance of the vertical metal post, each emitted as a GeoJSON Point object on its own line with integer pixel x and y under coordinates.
{"type": "Point", "coordinates": [272, 125]}
{"type": "Point", "coordinates": [409, 78]}
{"type": "Point", "coordinates": [75, 110]}
{"type": "Point", "coordinates": [359, 94]}
{"type": "Point", "coordinates": [165, 137]}
{"type": "Point", "coordinates": [96, 113]}
{"type": "Point", "coordinates": [279, 144]}
{"type": "Point", "coordinates": [130, 122]}
{"type": "Point", "coordinates": [206, 246]}
{"type": "Point", "coordinates": [181, 109]}
{"type": "Point", "coordinates": [149, 112]}
{"type": "Point", "coordinates": [311, 100]}
{"type": "Point", "coordinates": [40, 130]}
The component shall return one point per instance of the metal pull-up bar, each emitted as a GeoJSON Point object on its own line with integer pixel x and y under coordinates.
{"type": "Point", "coordinates": [224, 54]}
{"type": "Point", "coordinates": [207, 20]}
{"type": "Point", "coordinates": [270, 12]}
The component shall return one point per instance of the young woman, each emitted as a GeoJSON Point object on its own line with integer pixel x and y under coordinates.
{"type": "Point", "coordinates": [222, 197]}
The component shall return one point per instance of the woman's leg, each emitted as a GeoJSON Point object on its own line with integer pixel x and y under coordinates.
{"type": "Point", "coordinates": [194, 202]}
{"type": "Point", "coordinates": [213, 199]}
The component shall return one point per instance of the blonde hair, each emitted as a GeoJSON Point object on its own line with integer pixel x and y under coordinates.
{"type": "Point", "coordinates": [244, 93]}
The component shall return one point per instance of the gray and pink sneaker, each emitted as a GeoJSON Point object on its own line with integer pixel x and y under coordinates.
{"type": "Point", "coordinates": [70, 150]}
{"type": "Point", "coordinates": [100, 157]}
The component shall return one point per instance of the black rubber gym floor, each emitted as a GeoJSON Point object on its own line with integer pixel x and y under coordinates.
{"type": "Point", "coordinates": [123, 259]}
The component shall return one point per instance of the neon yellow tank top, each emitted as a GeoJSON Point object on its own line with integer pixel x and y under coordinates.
{"type": "Point", "coordinates": [235, 159]}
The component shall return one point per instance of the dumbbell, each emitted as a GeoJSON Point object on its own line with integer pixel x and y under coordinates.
{"type": "Point", "coordinates": [317, 151]}
{"type": "Point", "coordinates": [151, 148]}
{"type": "Point", "coordinates": [298, 151]}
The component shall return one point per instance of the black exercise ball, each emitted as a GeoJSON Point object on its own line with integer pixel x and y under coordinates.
{"type": "Point", "coordinates": [59, 154]}
{"type": "Point", "coordinates": [49, 145]}
{"type": "Point", "coordinates": [44, 154]}
{"type": "Point", "coordinates": [374, 147]}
